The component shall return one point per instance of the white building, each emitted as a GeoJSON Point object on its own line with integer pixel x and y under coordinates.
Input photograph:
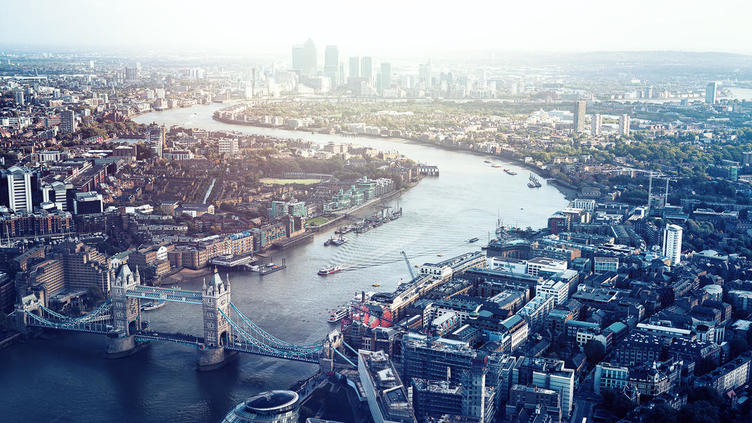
{"type": "Point", "coordinates": [538, 265]}
{"type": "Point", "coordinates": [672, 241]}
{"type": "Point", "coordinates": [624, 125]}
{"type": "Point", "coordinates": [558, 290]}
{"type": "Point", "coordinates": [605, 264]}
{"type": "Point", "coordinates": [595, 125]}
{"type": "Point", "coordinates": [584, 203]}
{"type": "Point", "coordinates": [228, 146]}
{"type": "Point", "coordinates": [18, 186]}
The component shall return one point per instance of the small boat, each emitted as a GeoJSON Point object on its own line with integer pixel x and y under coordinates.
{"type": "Point", "coordinates": [152, 305]}
{"type": "Point", "coordinates": [375, 284]}
{"type": "Point", "coordinates": [510, 172]}
{"type": "Point", "coordinates": [328, 242]}
{"type": "Point", "coordinates": [337, 242]}
{"type": "Point", "coordinates": [328, 270]}
{"type": "Point", "coordinates": [439, 255]}
{"type": "Point", "coordinates": [496, 165]}
{"type": "Point", "coordinates": [471, 240]}
{"type": "Point", "coordinates": [337, 315]}
{"type": "Point", "coordinates": [486, 161]}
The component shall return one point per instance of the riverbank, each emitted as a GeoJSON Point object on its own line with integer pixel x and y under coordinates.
{"type": "Point", "coordinates": [570, 192]}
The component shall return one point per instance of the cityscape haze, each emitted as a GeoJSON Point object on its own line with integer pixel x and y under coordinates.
{"type": "Point", "coordinates": [408, 212]}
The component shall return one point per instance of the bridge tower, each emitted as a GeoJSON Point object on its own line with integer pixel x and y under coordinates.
{"type": "Point", "coordinates": [126, 313]}
{"type": "Point", "coordinates": [215, 297]}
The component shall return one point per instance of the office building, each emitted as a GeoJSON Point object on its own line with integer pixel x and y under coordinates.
{"type": "Point", "coordinates": [19, 96]}
{"type": "Point", "coordinates": [86, 268]}
{"type": "Point", "coordinates": [524, 398]}
{"type": "Point", "coordinates": [595, 125]}
{"type": "Point", "coordinates": [609, 377]}
{"type": "Point", "coordinates": [672, 243]}
{"type": "Point", "coordinates": [156, 136]}
{"type": "Point", "coordinates": [331, 64]}
{"type": "Point", "coordinates": [547, 373]}
{"type": "Point", "coordinates": [354, 69]}
{"type": "Point", "coordinates": [624, 122]}
{"type": "Point", "coordinates": [710, 92]}
{"type": "Point", "coordinates": [387, 396]}
{"type": "Point", "coordinates": [424, 75]}
{"type": "Point", "coordinates": [267, 407]}
{"type": "Point", "coordinates": [579, 115]}
{"type": "Point", "coordinates": [386, 76]}
{"type": "Point", "coordinates": [88, 203]}
{"type": "Point", "coordinates": [228, 146]}
{"type": "Point", "coordinates": [366, 69]}
{"type": "Point", "coordinates": [15, 189]}
{"type": "Point", "coordinates": [304, 58]}
{"type": "Point", "coordinates": [67, 122]}
{"type": "Point", "coordinates": [435, 359]}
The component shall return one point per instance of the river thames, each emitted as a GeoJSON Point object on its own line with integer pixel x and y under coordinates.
{"type": "Point", "coordinates": [66, 378]}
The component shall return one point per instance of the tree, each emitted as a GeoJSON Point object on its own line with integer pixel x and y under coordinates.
{"type": "Point", "coordinates": [705, 365]}
{"type": "Point", "coordinates": [594, 351]}
{"type": "Point", "coordinates": [616, 402]}
{"type": "Point", "coordinates": [661, 413]}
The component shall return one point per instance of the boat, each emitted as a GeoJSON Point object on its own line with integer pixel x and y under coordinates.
{"type": "Point", "coordinates": [375, 284]}
{"type": "Point", "coordinates": [486, 161]}
{"type": "Point", "coordinates": [510, 172]}
{"type": "Point", "coordinates": [471, 240]}
{"type": "Point", "coordinates": [533, 182]}
{"type": "Point", "coordinates": [439, 255]}
{"type": "Point", "coordinates": [328, 270]}
{"type": "Point", "coordinates": [152, 305]}
{"type": "Point", "coordinates": [495, 165]}
{"type": "Point", "coordinates": [271, 268]}
{"type": "Point", "coordinates": [340, 241]}
{"type": "Point", "coordinates": [337, 314]}
{"type": "Point", "coordinates": [328, 242]}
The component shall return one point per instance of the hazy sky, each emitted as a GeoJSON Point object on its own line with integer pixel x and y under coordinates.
{"type": "Point", "coordinates": [382, 27]}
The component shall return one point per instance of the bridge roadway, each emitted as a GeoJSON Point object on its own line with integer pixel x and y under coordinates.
{"type": "Point", "coordinates": [165, 294]}
{"type": "Point", "coordinates": [180, 338]}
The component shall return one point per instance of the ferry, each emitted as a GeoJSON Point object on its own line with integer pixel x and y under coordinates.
{"type": "Point", "coordinates": [152, 305]}
{"type": "Point", "coordinates": [471, 240]}
{"type": "Point", "coordinates": [510, 172]}
{"type": "Point", "coordinates": [337, 315]}
{"type": "Point", "coordinates": [328, 270]}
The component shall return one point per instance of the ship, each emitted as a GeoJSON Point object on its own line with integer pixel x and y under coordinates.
{"type": "Point", "coordinates": [271, 268]}
{"type": "Point", "coordinates": [471, 240]}
{"type": "Point", "coordinates": [510, 172]}
{"type": "Point", "coordinates": [328, 270]}
{"type": "Point", "coordinates": [533, 182]}
{"type": "Point", "coordinates": [339, 241]}
{"type": "Point", "coordinates": [152, 305]}
{"type": "Point", "coordinates": [338, 314]}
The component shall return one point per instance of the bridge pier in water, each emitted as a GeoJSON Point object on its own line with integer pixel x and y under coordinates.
{"type": "Point", "coordinates": [122, 346]}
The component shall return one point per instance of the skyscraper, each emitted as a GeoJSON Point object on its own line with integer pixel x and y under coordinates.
{"type": "Point", "coordinates": [424, 74]}
{"type": "Point", "coordinates": [19, 98]}
{"type": "Point", "coordinates": [386, 76]}
{"type": "Point", "coordinates": [595, 126]}
{"type": "Point", "coordinates": [366, 69]}
{"type": "Point", "coordinates": [672, 241]}
{"type": "Point", "coordinates": [354, 70]}
{"type": "Point", "coordinates": [579, 115]}
{"type": "Point", "coordinates": [16, 189]}
{"type": "Point", "coordinates": [67, 122]}
{"type": "Point", "coordinates": [710, 92]}
{"type": "Point", "coordinates": [624, 122]}
{"type": "Point", "coordinates": [331, 64]}
{"type": "Point", "coordinates": [304, 58]}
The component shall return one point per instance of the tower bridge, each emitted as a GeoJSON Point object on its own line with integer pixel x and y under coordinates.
{"type": "Point", "coordinates": [226, 330]}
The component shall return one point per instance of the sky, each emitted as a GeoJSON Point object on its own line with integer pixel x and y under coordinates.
{"type": "Point", "coordinates": [380, 27]}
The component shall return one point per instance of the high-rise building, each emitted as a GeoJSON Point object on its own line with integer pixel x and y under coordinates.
{"type": "Point", "coordinates": [595, 126]}
{"type": "Point", "coordinates": [304, 58]}
{"type": "Point", "coordinates": [386, 76]}
{"type": "Point", "coordinates": [131, 73]}
{"type": "Point", "coordinates": [547, 373]}
{"type": "Point", "coordinates": [624, 122]}
{"type": "Point", "coordinates": [19, 95]}
{"type": "Point", "coordinates": [67, 122]}
{"type": "Point", "coordinates": [424, 75]}
{"type": "Point", "coordinates": [228, 146]}
{"type": "Point", "coordinates": [354, 69]}
{"type": "Point", "coordinates": [331, 64]}
{"type": "Point", "coordinates": [85, 268]}
{"type": "Point", "coordinates": [366, 69]}
{"type": "Point", "coordinates": [710, 92]}
{"type": "Point", "coordinates": [579, 115]}
{"type": "Point", "coordinates": [156, 136]}
{"type": "Point", "coordinates": [672, 241]}
{"type": "Point", "coordinates": [15, 189]}
{"type": "Point", "coordinates": [387, 396]}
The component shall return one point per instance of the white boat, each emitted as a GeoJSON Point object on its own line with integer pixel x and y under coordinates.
{"type": "Point", "coordinates": [337, 314]}
{"type": "Point", "coordinates": [152, 305]}
{"type": "Point", "coordinates": [329, 270]}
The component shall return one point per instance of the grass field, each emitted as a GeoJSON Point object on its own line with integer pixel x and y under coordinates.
{"type": "Point", "coordinates": [318, 221]}
{"type": "Point", "coordinates": [279, 181]}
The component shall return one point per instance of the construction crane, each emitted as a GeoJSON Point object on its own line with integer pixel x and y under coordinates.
{"type": "Point", "coordinates": [409, 267]}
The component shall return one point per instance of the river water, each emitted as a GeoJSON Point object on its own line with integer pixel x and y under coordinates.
{"type": "Point", "coordinates": [66, 378]}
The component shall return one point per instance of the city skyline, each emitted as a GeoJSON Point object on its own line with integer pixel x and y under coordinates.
{"type": "Point", "coordinates": [240, 29]}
